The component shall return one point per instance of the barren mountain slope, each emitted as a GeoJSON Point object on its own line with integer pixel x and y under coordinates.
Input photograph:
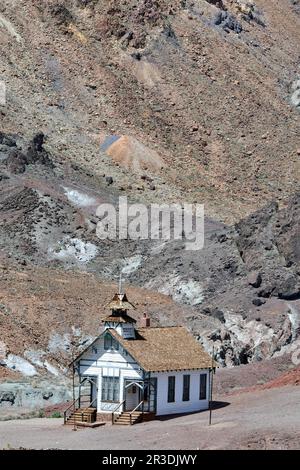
{"type": "Point", "coordinates": [246, 277]}
{"type": "Point", "coordinates": [165, 101]}
{"type": "Point", "coordinates": [200, 95]}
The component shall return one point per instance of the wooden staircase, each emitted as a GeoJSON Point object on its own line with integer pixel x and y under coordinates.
{"type": "Point", "coordinates": [128, 418]}
{"type": "Point", "coordinates": [124, 418]}
{"type": "Point", "coordinates": [82, 415]}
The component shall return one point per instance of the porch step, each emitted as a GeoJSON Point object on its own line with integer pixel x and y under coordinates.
{"type": "Point", "coordinates": [136, 417]}
{"type": "Point", "coordinates": [124, 418]}
{"type": "Point", "coordinates": [85, 415]}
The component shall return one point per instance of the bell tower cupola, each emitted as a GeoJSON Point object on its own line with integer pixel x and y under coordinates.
{"type": "Point", "coordinates": [119, 319]}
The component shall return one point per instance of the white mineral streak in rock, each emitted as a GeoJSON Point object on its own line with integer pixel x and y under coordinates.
{"type": "Point", "coordinates": [50, 368]}
{"type": "Point", "coordinates": [186, 291]}
{"type": "Point", "coordinates": [73, 249]}
{"type": "Point", "coordinates": [249, 333]}
{"type": "Point", "coordinates": [35, 356]}
{"type": "Point", "coordinates": [4, 23]}
{"type": "Point", "coordinates": [21, 365]}
{"type": "Point", "coordinates": [295, 97]}
{"type": "Point", "coordinates": [132, 264]}
{"type": "Point", "coordinates": [294, 316]}
{"type": "Point", "coordinates": [79, 198]}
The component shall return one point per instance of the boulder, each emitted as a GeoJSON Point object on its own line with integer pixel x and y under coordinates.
{"type": "Point", "coordinates": [254, 279]}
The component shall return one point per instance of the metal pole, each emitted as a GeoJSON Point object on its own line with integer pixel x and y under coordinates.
{"type": "Point", "coordinates": [73, 386]}
{"type": "Point", "coordinates": [79, 393]}
{"type": "Point", "coordinates": [211, 387]}
{"type": "Point", "coordinates": [143, 397]}
{"type": "Point", "coordinates": [120, 283]}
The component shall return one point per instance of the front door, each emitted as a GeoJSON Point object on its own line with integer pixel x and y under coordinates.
{"type": "Point", "coordinates": [88, 391]}
{"type": "Point", "coordinates": [132, 395]}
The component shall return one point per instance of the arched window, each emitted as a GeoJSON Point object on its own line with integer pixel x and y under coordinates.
{"type": "Point", "coordinates": [110, 343]}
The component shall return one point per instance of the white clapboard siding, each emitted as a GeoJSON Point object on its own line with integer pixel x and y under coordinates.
{"type": "Point", "coordinates": [180, 406]}
{"type": "Point", "coordinates": [98, 362]}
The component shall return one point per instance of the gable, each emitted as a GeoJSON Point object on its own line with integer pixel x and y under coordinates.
{"type": "Point", "coordinates": [101, 351]}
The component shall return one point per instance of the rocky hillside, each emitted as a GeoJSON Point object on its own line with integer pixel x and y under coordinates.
{"type": "Point", "coordinates": [240, 293]}
{"type": "Point", "coordinates": [202, 95]}
{"type": "Point", "coordinates": [160, 101]}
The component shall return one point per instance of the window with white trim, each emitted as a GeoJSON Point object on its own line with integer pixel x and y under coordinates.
{"type": "Point", "coordinates": [110, 389]}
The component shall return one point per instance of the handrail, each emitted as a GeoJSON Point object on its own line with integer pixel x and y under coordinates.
{"type": "Point", "coordinates": [72, 404]}
{"type": "Point", "coordinates": [73, 407]}
{"type": "Point", "coordinates": [92, 402]}
{"type": "Point", "coordinates": [113, 413]}
{"type": "Point", "coordinates": [141, 403]}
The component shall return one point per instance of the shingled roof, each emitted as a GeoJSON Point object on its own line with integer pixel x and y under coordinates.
{"type": "Point", "coordinates": [120, 302]}
{"type": "Point", "coordinates": [165, 349]}
{"type": "Point", "coordinates": [119, 319]}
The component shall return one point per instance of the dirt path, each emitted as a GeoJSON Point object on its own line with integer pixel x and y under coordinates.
{"type": "Point", "coordinates": [258, 420]}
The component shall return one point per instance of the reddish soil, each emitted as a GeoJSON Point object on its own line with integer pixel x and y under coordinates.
{"type": "Point", "coordinates": [291, 378]}
{"type": "Point", "coordinates": [272, 373]}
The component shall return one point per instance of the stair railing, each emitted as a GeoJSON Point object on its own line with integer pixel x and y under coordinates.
{"type": "Point", "coordinates": [68, 412]}
{"type": "Point", "coordinates": [135, 409]}
{"type": "Point", "coordinates": [114, 411]}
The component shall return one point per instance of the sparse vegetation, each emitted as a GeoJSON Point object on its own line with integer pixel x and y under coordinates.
{"type": "Point", "coordinates": [41, 414]}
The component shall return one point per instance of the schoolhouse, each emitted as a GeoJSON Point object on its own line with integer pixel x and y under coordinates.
{"type": "Point", "coordinates": [136, 373]}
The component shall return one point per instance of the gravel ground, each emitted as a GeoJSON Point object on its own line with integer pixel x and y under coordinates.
{"type": "Point", "coordinates": [268, 419]}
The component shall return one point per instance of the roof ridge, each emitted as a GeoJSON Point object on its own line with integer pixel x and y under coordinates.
{"type": "Point", "coordinates": [159, 327]}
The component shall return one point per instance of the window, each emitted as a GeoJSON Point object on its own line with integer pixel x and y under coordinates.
{"type": "Point", "coordinates": [110, 389]}
{"type": "Point", "coordinates": [171, 389]}
{"type": "Point", "coordinates": [110, 342]}
{"type": "Point", "coordinates": [186, 388]}
{"type": "Point", "coordinates": [203, 382]}
{"type": "Point", "coordinates": [107, 342]}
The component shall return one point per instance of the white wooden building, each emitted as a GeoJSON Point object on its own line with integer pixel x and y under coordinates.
{"type": "Point", "coordinates": [137, 373]}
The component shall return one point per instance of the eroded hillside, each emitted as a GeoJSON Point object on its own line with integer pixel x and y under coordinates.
{"type": "Point", "coordinates": [161, 101]}
{"type": "Point", "coordinates": [201, 95]}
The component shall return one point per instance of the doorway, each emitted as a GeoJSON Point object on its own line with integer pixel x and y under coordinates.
{"type": "Point", "coordinates": [132, 394]}
{"type": "Point", "coordinates": [88, 390]}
